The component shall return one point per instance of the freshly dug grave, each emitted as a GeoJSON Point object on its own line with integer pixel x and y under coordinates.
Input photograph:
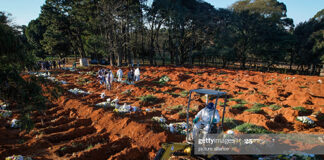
{"type": "Point", "coordinates": [73, 128]}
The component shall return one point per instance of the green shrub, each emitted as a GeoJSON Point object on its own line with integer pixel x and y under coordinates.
{"type": "Point", "coordinates": [274, 107]}
{"type": "Point", "coordinates": [148, 99]}
{"type": "Point", "coordinates": [251, 129]}
{"type": "Point", "coordinates": [254, 110]}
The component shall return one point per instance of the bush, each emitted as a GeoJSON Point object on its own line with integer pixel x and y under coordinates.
{"type": "Point", "coordinates": [251, 129]}
{"type": "Point", "coordinates": [148, 99]}
{"type": "Point", "coordinates": [274, 107]}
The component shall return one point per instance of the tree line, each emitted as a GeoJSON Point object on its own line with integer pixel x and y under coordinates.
{"type": "Point", "coordinates": [178, 32]}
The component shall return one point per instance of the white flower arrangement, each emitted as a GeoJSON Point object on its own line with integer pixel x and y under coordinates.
{"type": "Point", "coordinates": [159, 119]}
{"type": "Point", "coordinates": [179, 127]}
{"type": "Point", "coordinates": [77, 91]}
{"type": "Point", "coordinates": [126, 109]}
{"type": "Point", "coordinates": [102, 104]}
{"type": "Point", "coordinates": [305, 120]}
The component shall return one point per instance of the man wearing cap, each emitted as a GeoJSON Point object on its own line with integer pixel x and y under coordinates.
{"type": "Point", "coordinates": [205, 118]}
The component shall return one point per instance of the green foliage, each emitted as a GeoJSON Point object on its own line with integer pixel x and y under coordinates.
{"type": "Point", "coordinates": [251, 129]}
{"type": "Point", "coordinates": [254, 110]}
{"type": "Point", "coordinates": [230, 123]}
{"type": "Point", "coordinates": [238, 106]}
{"type": "Point", "coordinates": [26, 123]}
{"type": "Point", "coordinates": [184, 93]}
{"type": "Point", "coordinates": [274, 107]}
{"type": "Point", "coordinates": [148, 99]}
{"type": "Point", "coordinates": [89, 147]}
{"type": "Point", "coordinates": [300, 109]}
{"type": "Point", "coordinates": [177, 107]}
{"type": "Point", "coordinates": [258, 105]}
{"type": "Point", "coordinates": [164, 79]}
{"type": "Point", "coordinates": [239, 101]}
{"type": "Point", "coordinates": [182, 113]}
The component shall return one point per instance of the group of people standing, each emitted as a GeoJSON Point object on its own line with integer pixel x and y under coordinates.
{"type": "Point", "coordinates": [47, 65]}
{"type": "Point", "coordinates": [106, 76]}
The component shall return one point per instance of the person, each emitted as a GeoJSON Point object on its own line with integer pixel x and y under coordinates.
{"type": "Point", "coordinates": [74, 64]}
{"type": "Point", "coordinates": [137, 74]}
{"type": "Point", "coordinates": [63, 62]}
{"type": "Point", "coordinates": [59, 64]}
{"type": "Point", "coordinates": [100, 76]}
{"type": "Point", "coordinates": [130, 76]}
{"type": "Point", "coordinates": [109, 79]}
{"type": "Point", "coordinates": [119, 75]}
{"type": "Point", "coordinates": [204, 118]}
{"type": "Point", "coordinates": [54, 64]}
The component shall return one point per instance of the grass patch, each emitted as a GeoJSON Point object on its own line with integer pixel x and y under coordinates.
{"type": "Point", "coordinates": [254, 110]}
{"type": "Point", "coordinates": [238, 106]}
{"type": "Point", "coordinates": [222, 104]}
{"type": "Point", "coordinates": [258, 105]}
{"type": "Point", "coordinates": [300, 109]}
{"type": "Point", "coordinates": [251, 129]}
{"type": "Point", "coordinates": [239, 101]}
{"type": "Point", "coordinates": [184, 93]}
{"type": "Point", "coordinates": [176, 108]}
{"type": "Point", "coordinates": [148, 99]}
{"type": "Point", "coordinates": [127, 92]}
{"type": "Point", "coordinates": [240, 93]}
{"type": "Point", "coordinates": [230, 123]}
{"type": "Point", "coordinates": [269, 82]}
{"type": "Point", "coordinates": [89, 147]}
{"type": "Point", "coordinates": [164, 79]}
{"type": "Point", "coordinates": [302, 86]}
{"type": "Point", "coordinates": [182, 113]}
{"type": "Point", "coordinates": [194, 108]}
{"type": "Point", "coordinates": [274, 107]}
{"type": "Point", "coordinates": [219, 83]}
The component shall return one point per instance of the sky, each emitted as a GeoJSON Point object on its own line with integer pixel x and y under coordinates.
{"type": "Point", "coordinates": [23, 11]}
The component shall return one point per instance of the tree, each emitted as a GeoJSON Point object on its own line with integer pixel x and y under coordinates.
{"type": "Point", "coordinates": [34, 33]}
